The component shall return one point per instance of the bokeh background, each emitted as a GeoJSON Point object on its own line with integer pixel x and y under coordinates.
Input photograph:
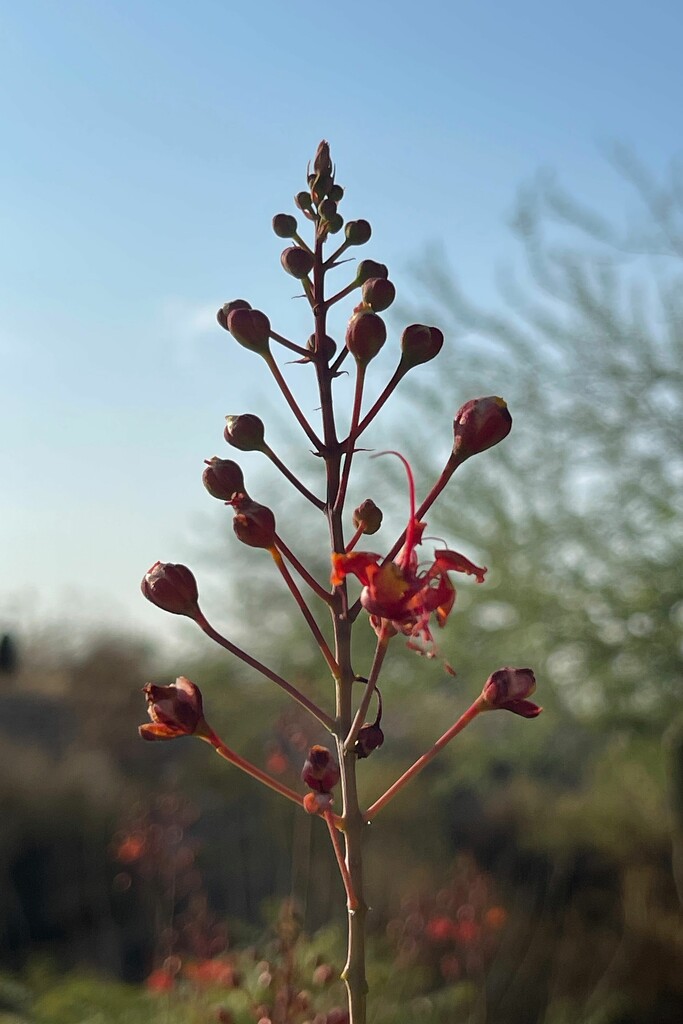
{"type": "Point", "coordinates": [523, 175]}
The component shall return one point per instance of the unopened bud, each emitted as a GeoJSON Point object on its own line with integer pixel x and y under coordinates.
{"type": "Point", "coordinates": [378, 293]}
{"type": "Point", "coordinates": [251, 328]}
{"type": "Point", "coordinates": [419, 344]}
{"type": "Point", "coordinates": [322, 161]}
{"type": "Point", "coordinates": [297, 261]}
{"type": "Point", "coordinates": [508, 689]}
{"type": "Point", "coordinates": [367, 515]}
{"type": "Point", "coordinates": [320, 771]}
{"type": "Point", "coordinates": [358, 232]}
{"type": "Point", "coordinates": [370, 737]}
{"type": "Point", "coordinates": [225, 311]}
{"type": "Point", "coordinates": [171, 587]}
{"type": "Point", "coordinates": [336, 193]}
{"type": "Point", "coordinates": [245, 432]}
{"type": "Point", "coordinates": [480, 424]}
{"type": "Point", "coordinates": [329, 346]}
{"type": "Point", "coordinates": [253, 524]}
{"type": "Point", "coordinates": [365, 336]}
{"type": "Point", "coordinates": [335, 224]}
{"type": "Point", "coordinates": [284, 225]}
{"type": "Point", "coordinates": [223, 478]}
{"type": "Point", "coordinates": [369, 268]}
{"type": "Point", "coordinates": [303, 201]}
{"type": "Point", "coordinates": [318, 803]}
{"type": "Point", "coordinates": [337, 1015]}
{"type": "Point", "coordinates": [327, 209]}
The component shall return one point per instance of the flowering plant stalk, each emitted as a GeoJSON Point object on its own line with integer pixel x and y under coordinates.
{"type": "Point", "coordinates": [400, 596]}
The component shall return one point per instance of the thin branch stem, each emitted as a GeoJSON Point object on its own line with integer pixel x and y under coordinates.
{"type": "Point", "coordinates": [300, 241]}
{"type": "Point", "coordinates": [342, 294]}
{"type": "Point", "coordinates": [398, 375]}
{"type": "Point", "coordinates": [289, 344]}
{"type": "Point", "coordinates": [334, 368]}
{"type": "Point", "coordinates": [335, 255]}
{"type": "Point", "coordinates": [306, 612]}
{"type": "Point", "coordinates": [351, 898]}
{"type": "Point", "coordinates": [267, 450]}
{"type": "Point", "coordinates": [317, 589]}
{"type": "Point", "coordinates": [251, 769]}
{"type": "Point", "coordinates": [380, 651]}
{"type": "Point", "coordinates": [292, 402]}
{"type": "Point", "coordinates": [353, 433]}
{"type": "Point", "coordinates": [423, 761]}
{"type": "Point", "coordinates": [354, 540]}
{"type": "Point", "coordinates": [317, 712]}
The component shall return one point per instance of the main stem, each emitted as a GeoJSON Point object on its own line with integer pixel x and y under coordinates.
{"type": "Point", "coordinates": [354, 971]}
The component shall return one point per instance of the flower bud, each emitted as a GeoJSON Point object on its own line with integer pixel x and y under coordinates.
{"type": "Point", "coordinates": [419, 344]}
{"type": "Point", "coordinates": [251, 328]}
{"type": "Point", "coordinates": [253, 524]}
{"type": "Point", "coordinates": [327, 209]}
{"type": "Point", "coordinates": [172, 588]}
{"type": "Point", "coordinates": [303, 201]}
{"type": "Point", "coordinates": [225, 311]}
{"type": "Point", "coordinates": [378, 293]}
{"type": "Point", "coordinates": [175, 710]}
{"type": "Point", "coordinates": [337, 1015]}
{"type": "Point", "coordinates": [480, 424]}
{"type": "Point", "coordinates": [370, 737]}
{"type": "Point", "coordinates": [297, 261]}
{"type": "Point", "coordinates": [508, 689]}
{"type": "Point", "coordinates": [365, 336]}
{"type": "Point", "coordinates": [336, 193]}
{"type": "Point", "coordinates": [367, 515]}
{"type": "Point", "coordinates": [329, 346]}
{"type": "Point", "coordinates": [335, 224]}
{"type": "Point", "coordinates": [320, 771]}
{"type": "Point", "coordinates": [284, 225]}
{"type": "Point", "coordinates": [322, 161]}
{"type": "Point", "coordinates": [245, 432]}
{"type": "Point", "coordinates": [358, 232]}
{"type": "Point", "coordinates": [223, 478]}
{"type": "Point", "coordinates": [318, 803]}
{"type": "Point", "coordinates": [369, 268]}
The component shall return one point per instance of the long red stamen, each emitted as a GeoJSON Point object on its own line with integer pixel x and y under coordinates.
{"type": "Point", "coordinates": [409, 544]}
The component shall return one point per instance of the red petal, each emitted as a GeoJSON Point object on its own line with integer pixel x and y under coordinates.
{"type": "Point", "coordinates": [156, 731]}
{"type": "Point", "coordinates": [357, 563]}
{"type": "Point", "coordinates": [451, 561]}
{"type": "Point", "coordinates": [525, 708]}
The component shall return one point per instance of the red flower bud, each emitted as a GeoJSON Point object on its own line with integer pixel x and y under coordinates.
{"type": "Point", "coordinates": [171, 587]}
{"type": "Point", "coordinates": [480, 424]}
{"type": "Point", "coordinates": [378, 293]}
{"type": "Point", "coordinates": [320, 771]}
{"type": "Point", "coordinates": [368, 268]}
{"type": "Point", "coordinates": [318, 803]}
{"type": "Point", "coordinates": [335, 224]}
{"type": "Point", "coordinates": [297, 262]}
{"type": "Point", "coordinates": [253, 524]}
{"type": "Point", "coordinates": [251, 328]}
{"type": "Point", "coordinates": [175, 710]}
{"type": "Point", "coordinates": [223, 478]}
{"type": "Point", "coordinates": [370, 737]}
{"type": "Point", "coordinates": [284, 225]}
{"type": "Point", "coordinates": [225, 311]}
{"type": "Point", "coordinates": [329, 346]}
{"type": "Point", "coordinates": [303, 201]}
{"type": "Point", "coordinates": [419, 344]}
{"type": "Point", "coordinates": [365, 336]}
{"type": "Point", "coordinates": [367, 515]}
{"type": "Point", "coordinates": [508, 688]}
{"type": "Point", "coordinates": [336, 193]}
{"type": "Point", "coordinates": [245, 432]}
{"type": "Point", "coordinates": [322, 161]}
{"type": "Point", "coordinates": [327, 209]}
{"type": "Point", "coordinates": [358, 232]}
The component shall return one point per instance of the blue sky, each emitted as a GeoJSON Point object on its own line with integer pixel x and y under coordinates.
{"type": "Point", "coordinates": [146, 147]}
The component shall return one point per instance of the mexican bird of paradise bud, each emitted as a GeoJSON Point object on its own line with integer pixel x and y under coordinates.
{"type": "Point", "coordinates": [175, 710]}
{"type": "Point", "coordinates": [253, 524]}
{"type": "Point", "coordinates": [508, 689]}
{"type": "Point", "coordinates": [320, 771]}
{"type": "Point", "coordinates": [223, 478]}
{"type": "Point", "coordinates": [172, 588]}
{"type": "Point", "coordinates": [481, 423]}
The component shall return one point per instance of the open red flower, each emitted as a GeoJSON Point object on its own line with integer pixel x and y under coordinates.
{"type": "Point", "coordinates": [401, 593]}
{"type": "Point", "coordinates": [175, 710]}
